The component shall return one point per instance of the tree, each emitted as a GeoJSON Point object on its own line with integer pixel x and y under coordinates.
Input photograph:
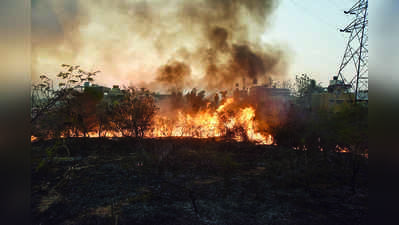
{"type": "Point", "coordinates": [134, 114]}
{"type": "Point", "coordinates": [52, 108]}
{"type": "Point", "coordinates": [84, 107]}
{"type": "Point", "coordinates": [44, 96]}
{"type": "Point", "coordinates": [104, 117]}
{"type": "Point", "coordinates": [305, 86]}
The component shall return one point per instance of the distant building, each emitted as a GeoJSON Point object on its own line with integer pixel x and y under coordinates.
{"type": "Point", "coordinates": [115, 91]}
{"type": "Point", "coordinates": [162, 97]}
{"type": "Point", "coordinates": [338, 94]}
{"type": "Point", "coordinates": [271, 101]}
{"type": "Point", "coordinates": [104, 90]}
{"type": "Point", "coordinates": [264, 93]}
{"type": "Point", "coordinates": [162, 100]}
{"type": "Point", "coordinates": [79, 88]}
{"type": "Point", "coordinates": [338, 86]}
{"type": "Point", "coordinates": [240, 95]}
{"type": "Point", "coordinates": [112, 94]}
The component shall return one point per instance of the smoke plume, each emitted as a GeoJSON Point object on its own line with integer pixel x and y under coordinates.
{"type": "Point", "coordinates": [174, 74]}
{"type": "Point", "coordinates": [208, 44]}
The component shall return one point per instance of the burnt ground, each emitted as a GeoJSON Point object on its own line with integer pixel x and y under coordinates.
{"type": "Point", "coordinates": [191, 181]}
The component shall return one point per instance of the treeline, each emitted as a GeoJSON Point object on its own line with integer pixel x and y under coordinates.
{"type": "Point", "coordinates": [346, 130]}
{"type": "Point", "coordinates": [322, 130]}
{"type": "Point", "coordinates": [88, 113]}
{"type": "Point", "coordinates": [65, 111]}
{"type": "Point", "coordinates": [68, 110]}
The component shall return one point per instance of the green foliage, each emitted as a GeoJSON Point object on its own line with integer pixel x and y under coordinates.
{"type": "Point", "coordinates": [324, 130]}
{"type": "Point", "coordinates": [352, 127]}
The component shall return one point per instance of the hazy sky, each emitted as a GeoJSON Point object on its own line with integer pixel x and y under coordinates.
{"type": "Point", "coordinates": [105, 36]}
{"type": "Point", "coordinates": [311, 30]}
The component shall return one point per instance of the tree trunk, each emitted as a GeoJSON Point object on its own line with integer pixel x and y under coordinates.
{"type": "Point", "coordinates": [99, 130]}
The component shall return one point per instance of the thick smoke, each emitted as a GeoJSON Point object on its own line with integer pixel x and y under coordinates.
{"type": "Point", "coordinates": [197, 43]}
{"type": "Point", "coordinates": [174, 74]}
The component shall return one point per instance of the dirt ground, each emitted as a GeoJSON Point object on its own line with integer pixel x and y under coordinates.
{"type": "Point", "coordinates": [193, 181]}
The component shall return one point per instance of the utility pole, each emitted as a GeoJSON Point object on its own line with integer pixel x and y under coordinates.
{"type": "Point", "coordinates": [356, 52]}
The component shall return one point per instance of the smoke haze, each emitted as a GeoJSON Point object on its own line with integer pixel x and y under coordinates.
{"type": "Point", "coordinates": [208, 44]}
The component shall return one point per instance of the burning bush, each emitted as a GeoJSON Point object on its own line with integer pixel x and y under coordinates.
{"type": "Point", "coordinates": [228, 120]}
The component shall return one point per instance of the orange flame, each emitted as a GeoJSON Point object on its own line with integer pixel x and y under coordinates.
{"type": "Point", "coordinates": [204, 124]}
{"type": "Point", "coordinates": [208, 123]}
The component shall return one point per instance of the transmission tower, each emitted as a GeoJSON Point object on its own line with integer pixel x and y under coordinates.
{"type": "Point", "coordinates": [353, 70]}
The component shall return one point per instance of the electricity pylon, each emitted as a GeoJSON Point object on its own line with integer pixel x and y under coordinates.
{"type": "Point", "coordinates": [356, 52]}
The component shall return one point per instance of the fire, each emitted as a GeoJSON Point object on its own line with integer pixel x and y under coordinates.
{"type": "Point", "coordinates": [227, 120]}
{"type": "Point", "coordinates": [212, 123]}
{"type": "Point", "coordinates": [33, 138]}
{"type": "Point", "coordinates": [228, 102]}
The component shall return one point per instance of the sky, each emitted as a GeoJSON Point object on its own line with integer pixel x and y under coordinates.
{"type": "Point", "coordinates": [299, 36]}
{"type": "Point", "coordinates": [310, 29]}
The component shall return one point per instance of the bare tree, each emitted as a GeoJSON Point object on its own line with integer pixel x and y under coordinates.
{"type": "Point", "coordinates": [53, 102]}
{"type": "Point", "coordinates": [44, 96]}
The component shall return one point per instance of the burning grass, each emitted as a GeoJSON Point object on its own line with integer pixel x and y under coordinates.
{"type": "Point", "coordinates": [230, 119]}
{"type": "Point", "coordinates": [238, 123]}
